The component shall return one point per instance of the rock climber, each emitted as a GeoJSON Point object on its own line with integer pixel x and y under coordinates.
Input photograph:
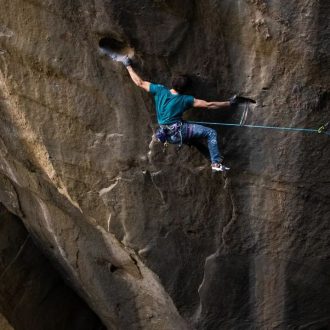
{"type": "Point", "coordinates": [170, 106]}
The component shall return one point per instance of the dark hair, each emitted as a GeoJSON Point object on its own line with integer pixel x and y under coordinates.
{"type": "Point", "coordinates": [180, 83]}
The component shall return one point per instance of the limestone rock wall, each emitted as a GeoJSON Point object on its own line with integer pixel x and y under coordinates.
{"type": "Point", "coordinates": [32, 294]}
{"type": "Point", "coordinates": [152, 240]}
{"type": "Point", "coordinates": [4, 324]}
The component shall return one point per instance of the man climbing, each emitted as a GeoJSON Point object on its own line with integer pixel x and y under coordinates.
{"type": "Point", "coordinates": [170, 106]}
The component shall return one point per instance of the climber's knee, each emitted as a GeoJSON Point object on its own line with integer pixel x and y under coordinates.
{"type": "Point", "coordinates": [212, 133]}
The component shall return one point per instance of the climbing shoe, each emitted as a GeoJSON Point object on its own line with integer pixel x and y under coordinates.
{"type": "Point", "coordinates": [216, 167]}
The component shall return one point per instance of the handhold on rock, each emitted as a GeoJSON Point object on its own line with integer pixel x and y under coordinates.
{"type": "Point", "coordinates": [116, 50]}
{"type": "Point", "coordinates": [235, 100]}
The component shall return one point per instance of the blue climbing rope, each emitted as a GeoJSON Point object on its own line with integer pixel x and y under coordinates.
{"type": "Point", "coordinates": [320, 130]}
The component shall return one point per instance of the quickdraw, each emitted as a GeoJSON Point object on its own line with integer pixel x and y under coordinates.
{"type": "Point", "coordinates": [244, 114]}
{"type": "Point", "coordinates": [323, 128]}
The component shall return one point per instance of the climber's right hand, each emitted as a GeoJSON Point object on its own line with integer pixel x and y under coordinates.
{"type": "Point", "coordinates": [233, 101]}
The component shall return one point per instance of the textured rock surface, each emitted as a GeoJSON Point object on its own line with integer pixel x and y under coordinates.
{"type": "Point", "coordinates": [4, 325]}
{"type": "Point", "coordinates": [152, 240]}
{"type": "Point", "coordinates": [32, 294]}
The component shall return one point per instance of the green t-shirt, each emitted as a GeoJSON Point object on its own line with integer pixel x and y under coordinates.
{"type": "Point", "coordinates": [169, 107]}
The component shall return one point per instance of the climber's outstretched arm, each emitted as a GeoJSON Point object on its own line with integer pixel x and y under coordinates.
{"type": "Point", "coordinates": [137, 80]}
{"type": "Point", "coordinates": [210, 105]}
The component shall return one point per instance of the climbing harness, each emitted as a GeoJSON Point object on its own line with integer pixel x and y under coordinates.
{"type": "Point", "coordinates": [170, 133]}
{"type": "Point", "coordinates": [161, 135]}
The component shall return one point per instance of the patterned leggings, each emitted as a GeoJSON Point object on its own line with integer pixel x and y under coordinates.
{"type": "Point", "coordinates": [191, 134]}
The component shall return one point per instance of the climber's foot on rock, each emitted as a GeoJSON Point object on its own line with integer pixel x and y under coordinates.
{"type": "Point", "coordinates": [217, 167]}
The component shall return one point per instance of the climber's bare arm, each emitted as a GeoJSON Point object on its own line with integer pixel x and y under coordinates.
{"type": "Point", "coordinates": [210, 105]}
{"type": "Point", "coordinates": [137, 80]}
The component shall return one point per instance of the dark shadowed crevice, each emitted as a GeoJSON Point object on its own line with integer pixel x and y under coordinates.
{"type": "Point", "coordinates": [109, 45]}
{"type": "Point", "coordinates": [113, 44]}
{"type": "Point", "coordinates": [113, 268]}
{"type": "Point", "coordinates": [30, 288]}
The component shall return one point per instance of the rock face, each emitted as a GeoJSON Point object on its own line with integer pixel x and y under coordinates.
{"type": "Point", "coordinates": [32, 294]}
{"type": "Point", "coordinates": [4, 325]}
{"type": "Point", "coordinates": [151, 240]}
